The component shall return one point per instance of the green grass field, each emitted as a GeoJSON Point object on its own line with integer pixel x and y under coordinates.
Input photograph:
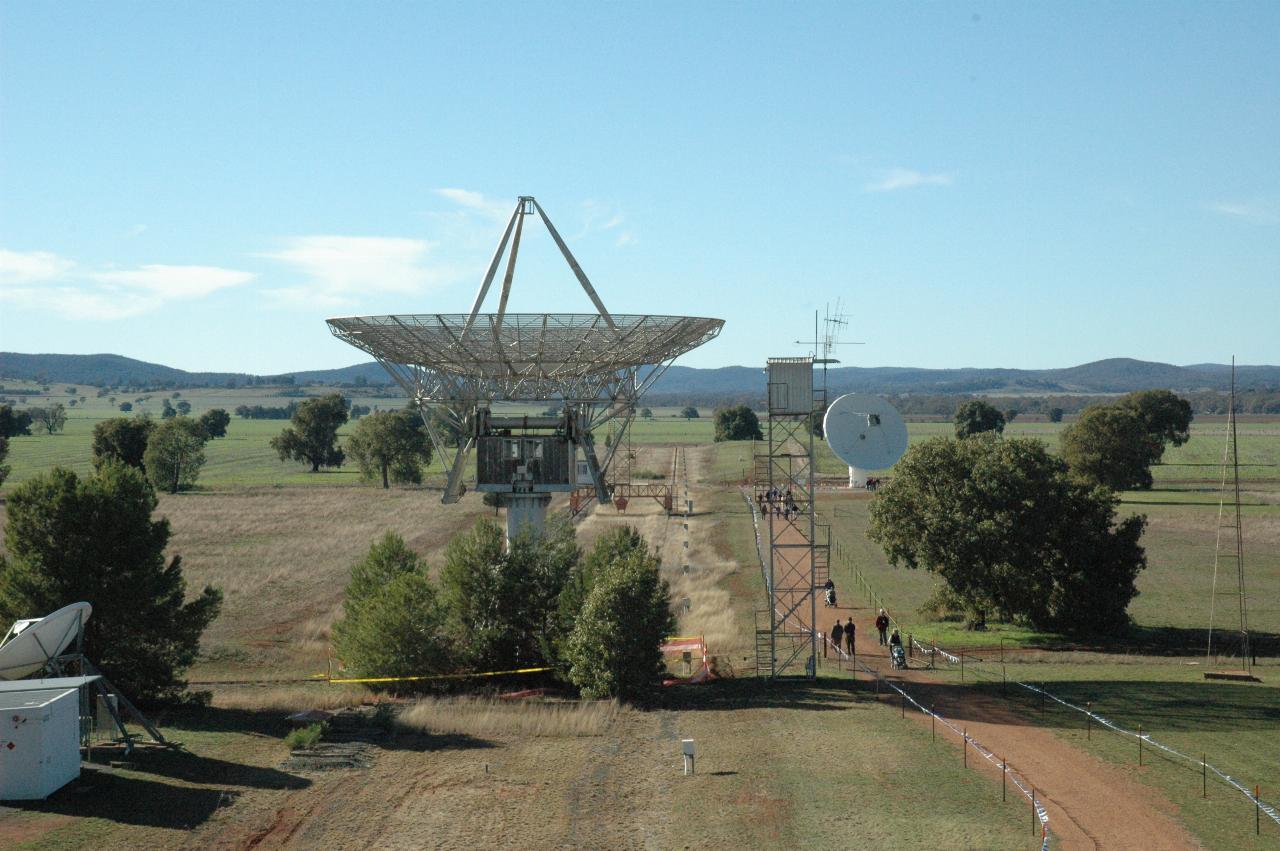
{"type": "Point", "coordinates": [244, 457]}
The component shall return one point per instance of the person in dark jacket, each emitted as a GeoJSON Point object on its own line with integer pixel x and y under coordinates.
{"type": "Point", "coordinates": [848, 635]}
{"type": "Point", "coordinates": [882, 626]}
{"type": "Point", "coordinates": [837, 632]}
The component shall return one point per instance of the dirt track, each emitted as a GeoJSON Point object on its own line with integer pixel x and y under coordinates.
{"type": "Point", "coordinates": [1091, 804]}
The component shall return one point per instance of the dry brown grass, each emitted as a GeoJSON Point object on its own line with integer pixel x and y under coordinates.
{"type": "Point", "coordinates": [486, 717]}
{"type": "Point", "coordinates": [290, 698]}
{"type": "Point", "coordinates": [282, 557]}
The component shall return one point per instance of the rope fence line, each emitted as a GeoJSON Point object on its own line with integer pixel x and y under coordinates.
{"type": "Point", "coordinates": [1020, 783]}
{"type": "Point", "coordinates": [958, 657]}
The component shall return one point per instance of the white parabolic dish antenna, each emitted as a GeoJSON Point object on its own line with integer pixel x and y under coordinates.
{"type": "Point", "coordinates": [32, 644]}
{"type": "Point", "coordinates": [865, 432]}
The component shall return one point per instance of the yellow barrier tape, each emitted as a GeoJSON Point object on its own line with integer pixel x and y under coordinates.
{"type": "Point", "coordinates": [344, 680]}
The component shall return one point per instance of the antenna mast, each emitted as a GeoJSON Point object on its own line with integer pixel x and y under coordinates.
{"type": "Point", "coordinates": [1235, 533]}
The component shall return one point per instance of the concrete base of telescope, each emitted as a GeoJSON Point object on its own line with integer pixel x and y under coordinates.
{"type": "Point", "coordinates": [526, 514]}
{"type": "Point", "coordinates": [857, 477]}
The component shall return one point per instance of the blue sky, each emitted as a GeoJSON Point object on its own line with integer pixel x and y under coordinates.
{"type": "Point", "coordinates": [1021, 184]}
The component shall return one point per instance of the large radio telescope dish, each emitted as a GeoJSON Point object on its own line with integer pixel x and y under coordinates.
{"type": "Point", "coordinates": [454, 366]}
{"type": "Point", "coordinates": [865, 432]}
{"type": "Point", "coordinates": [32, 644]}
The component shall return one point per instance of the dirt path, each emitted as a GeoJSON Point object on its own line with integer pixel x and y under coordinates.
{"type": "Point", "coordinates": [1091, 803]}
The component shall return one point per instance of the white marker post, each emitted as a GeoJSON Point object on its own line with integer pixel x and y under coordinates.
{"type": "Point", "coordinates": [686, 748]}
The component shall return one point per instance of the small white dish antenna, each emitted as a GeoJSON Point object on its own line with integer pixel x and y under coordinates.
{"type": "Point", "coordinates": [865, 432]}
{"type": "Point", "coordinates": [31, 644]}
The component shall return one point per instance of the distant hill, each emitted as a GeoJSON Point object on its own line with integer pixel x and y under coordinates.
{"type": "Point", "coordinates": [1115, 375]}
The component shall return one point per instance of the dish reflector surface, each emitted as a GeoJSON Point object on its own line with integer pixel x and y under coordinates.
{"type": "Point", "coordinates": [41, 641]}
{"type": "Point", "coordinates": [865, 431]}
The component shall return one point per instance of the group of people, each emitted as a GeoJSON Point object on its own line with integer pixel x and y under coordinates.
{"type": "Point", "coordinates": [840, 632]}
{"type": "Point", "coordinates": [845, 632]}
{"type": "Point", "coordinates": [781, 503]}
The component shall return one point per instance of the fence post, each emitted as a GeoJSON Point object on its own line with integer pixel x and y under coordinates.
{"type": "Point", "coordinates": [1034, 817]}
{"type": "Point", "coordinates": [961, 666]}
{"type": "Point", "coordinates": [1088, 720]}
{"type": "Point", "coordinates": [1139, 744]}
{"type": "Point", "coordinates": [904, 704]}
{"type": "Point", "coordinates": [1204, 777]}
{"type": "Point", "coordinates": [1004, 780]}
{"type": "Point", "coordinates": [965, 747]}
{"type": "Point", "coordinates": [1257, 811]}
{"type": "Point", "coordinates": [933, 723]}
{"type": "Point", "coordinates": [1042, 697]}
{"type": "Point", "coordinates": [911, 646]}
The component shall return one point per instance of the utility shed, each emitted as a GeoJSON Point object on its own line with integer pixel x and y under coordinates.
{"type": "Point", "coordinates": [39, 742]}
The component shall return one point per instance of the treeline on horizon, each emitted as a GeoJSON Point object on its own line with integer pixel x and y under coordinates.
{"type": "Point", "coordinates": [1207, 402]}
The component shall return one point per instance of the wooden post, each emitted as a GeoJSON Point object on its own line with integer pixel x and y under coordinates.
{"type": "Point", "coordinates": [1139, 744]}
{"type": "Point", "coordinates": [1257, 811]}
{"type": "Point", "coordinates": [1204, 777]}
{"type": "Point", "coordinates": [1042, 697]}
{"type": "Point", "coordinates": [1004, 780]}
{"type": "Point", "coordinates": [966, 747]}
{"type": "Point", "coordinates": [933, 724]}
{"type": "Point", "coordinates": [1088, 720]}
{"type": "Point", "coordinates": [904, 704]}
{"type": "Point", "coordinates": [961, 666]}
{"type": "Point", "coordinates": [1034, 817]}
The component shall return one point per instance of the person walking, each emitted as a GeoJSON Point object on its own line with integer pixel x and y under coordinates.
{"type": "Point", "coordinates": [882, 626]}
{"type": "Point", "coordinates": [837, 632]}
{"type": "Point", "coordinates": [848, 635]}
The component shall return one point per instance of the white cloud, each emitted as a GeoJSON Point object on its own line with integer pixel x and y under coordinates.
{"type": "Point", "coordinates": [905, 178]}
{"type": "Point", "coordinates": [39, 280]}
{"type": "Point", "coordinates": [499, 210]}
{"type": "Point", "coordinates": [25, 267]}
{"type": "Point", "coordinates": [174, 282]}
{"type": "Point", "coordinates": [1258, 212]}
{"type": "Point", "coordinates": [342, 267]}
{"type": "Point", "coordinates": [626, 238]}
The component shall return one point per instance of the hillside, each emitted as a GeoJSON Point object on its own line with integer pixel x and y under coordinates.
{"type": "Point", "coordinates": [1114, 375]}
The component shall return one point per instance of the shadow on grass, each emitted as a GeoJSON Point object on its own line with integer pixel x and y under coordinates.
{"type": "Point", "coordinates": [132, 800]}
{"type": "Point", "coordinates": [1195, 707]}
{"type": "Point", "coordinates": [822, 694]}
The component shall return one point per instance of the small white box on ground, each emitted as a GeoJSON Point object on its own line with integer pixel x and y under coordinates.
{"type": "Point", "coordinates": [39, 742]}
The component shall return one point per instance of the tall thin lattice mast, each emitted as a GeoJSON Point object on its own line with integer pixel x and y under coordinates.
{"type": "Point", "coordinates": [1233, 548]}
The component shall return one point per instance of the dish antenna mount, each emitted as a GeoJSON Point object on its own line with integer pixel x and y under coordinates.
{"type": "Point", "coordinates": [593, 366]}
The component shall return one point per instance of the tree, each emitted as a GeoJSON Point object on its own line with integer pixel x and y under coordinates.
{"type": "Point", "coordinates": [737, 423]}
{"type": "Point", "coordinates": [1055, 415]}
{"type": "Point", "coordinates": [689, 413]}
{"type": "Point", "coordinates": [184, 408]}
{"type": "Point", "coordinates": [1010, 415]}
{"type": "Point", "coordinates": [51, 419]}
{"type": "Point", "coordinates": [1009, 530]}
{"type": "Point", "coordinates": [175, 454]}
{"type": "Point", "coordinates": [214, 422]}
{"type": "Point", "coordinates": [1109, 445]}
{"type": "Point", "coordinates": [615, 649]}
{"type": "Point", "coordinates": [646, 413]}
{"type": "Point", "coordinates": [94, 539]}
{"type": "Point", "coordinates": [976, 416]}
{"type": "Point", "coordinates": [1166, 416]}
{"type": "Point", "coordinates": [126, 407]}
{"type": "Point", "coordinates": [313, 437]}
{"type": "Point", "coordinates": [14, 423]}
{"type": "Point", "coordinates": [167, 411]}
{"type": "Point", "coordinates": [502, 605]}
{"type": "Point", "coordinates": [393, 623]}
{"type": "Point", "coordinates": [392, 445]}
{"type": "Point", "coordinates": [122, 439]}
{"type": "Point", "coordinates": [613, 545]}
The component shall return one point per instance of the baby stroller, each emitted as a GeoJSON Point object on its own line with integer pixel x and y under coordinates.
{"type": "Point", "coordinates": [899, 656]}
{"type": "Point", "coordinates": [830, 596]}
